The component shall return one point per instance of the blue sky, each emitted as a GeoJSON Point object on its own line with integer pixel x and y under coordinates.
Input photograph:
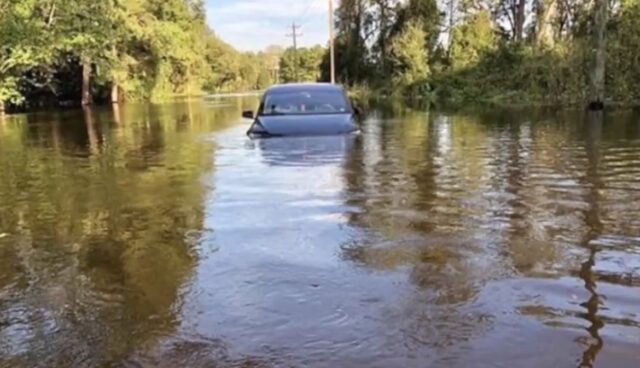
{"type": "Point", "coordinates": [252, 25]}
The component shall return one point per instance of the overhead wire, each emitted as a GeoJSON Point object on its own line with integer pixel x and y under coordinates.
{"type": "Point", "coordinates": [304, 17]}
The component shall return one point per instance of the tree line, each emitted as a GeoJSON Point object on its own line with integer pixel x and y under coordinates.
{"type": "Point", "coordinates": [57, 52]}
{"type": "Point", "coordinates": [531, 51]}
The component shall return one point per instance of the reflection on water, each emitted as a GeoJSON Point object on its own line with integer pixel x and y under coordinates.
{"type": "Point", "coordinates": [160, 236]}
{"type": "Point", "coordinates": [593, 128]}
{"type": "Point", "coordinates": [97, 210]}
{"type": "Point", "coordinates": [305, 151]}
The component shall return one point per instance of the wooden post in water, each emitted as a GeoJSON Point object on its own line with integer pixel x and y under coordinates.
{"type": "Point", "coordinates": [116, 113]}
{"type": "Point", "coordinates": [86, 82]}
{"type": "Point", "coordinates": [115, 98]}
{"type": "Point", "coordinates": [3, 121]}
{"type": "Point", "coordinates": [55, 133]}
{"type": "Point", "coordinates": [94, 146]}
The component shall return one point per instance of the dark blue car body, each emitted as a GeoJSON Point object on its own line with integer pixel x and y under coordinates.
{"type": "Point", "coordinates": [303, 110]}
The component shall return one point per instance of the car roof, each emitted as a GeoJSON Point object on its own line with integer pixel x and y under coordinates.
{"type": "Point", "coordinates": [304, 87]}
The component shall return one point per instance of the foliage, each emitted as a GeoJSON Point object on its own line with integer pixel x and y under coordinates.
{"type": "Point", "coordinates": [425, 13]}
{"type": "Point", "coordinates": [623, 58]}
{"type": "Point", "coordinates": [24, 44]}
{"type": "Point", "coordinates": [354, 27]}
{"type": "Point", "coordinates": [301, 65]}
{"type": "Point", "coordinates": [471, 40]}
{"type": "Point", "coordinates": [505, 51]}
{"type": "Point", "coordinates": [516, 73]}
{"type": "Point", "coordinates": [409, 57]}
{"type": "Point", "coordinates": [147, 49]}
{"type": "Point", "coordinates": [540, 51]}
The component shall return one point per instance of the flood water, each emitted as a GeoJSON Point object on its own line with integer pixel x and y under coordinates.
{"type": "Point", "coordinates": [161, 236]}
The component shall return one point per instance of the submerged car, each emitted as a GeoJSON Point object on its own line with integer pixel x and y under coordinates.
{"type": "Point", "coordinates": [303, 110]}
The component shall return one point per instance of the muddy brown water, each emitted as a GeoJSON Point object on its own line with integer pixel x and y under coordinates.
{"type": "Point", "coordinates": [160, 236]}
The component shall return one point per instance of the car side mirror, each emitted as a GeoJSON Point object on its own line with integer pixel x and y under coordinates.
{"type": "Point", "coordinates": [248, 114]}
{"type": "Point", "coordinates": [357, 111]}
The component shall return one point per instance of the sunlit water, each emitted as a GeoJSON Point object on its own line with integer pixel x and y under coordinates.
{"type": "Point", "coordinates": [162, 236]}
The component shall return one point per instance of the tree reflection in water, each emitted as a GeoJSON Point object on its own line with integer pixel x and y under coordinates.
{"type": "Point", "coordinates": [101, 212]}
{"type": "Point", "coordinates": [593, 222]}
{"type": "Point", "coordinates": [430, 240]}
{"type": "Point", "coordinates": [459, 202]}
{"type": "Point", "coordinates": [411, 199]}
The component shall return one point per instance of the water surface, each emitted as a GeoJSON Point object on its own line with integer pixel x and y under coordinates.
{"type": "Point", "coordinates": [161, 236]}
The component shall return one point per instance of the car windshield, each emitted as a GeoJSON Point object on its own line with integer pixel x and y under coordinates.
{"type": "Point", "coordinates": [305, 102]}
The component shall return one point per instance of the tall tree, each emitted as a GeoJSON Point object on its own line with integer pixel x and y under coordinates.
{"type": "Point", "coordinates": [409, 56]}
{"type": "Point", "coordinates": [385, 17]}
{"type": "Point", "coordinates": [25, 42]}
{"type": "Point", "coordinates": [599, 51]}
{"type": "Point", "coordinates": [471, 40]}
{"type": "Point", "coordinates": [77, 49]}
{"type": "Point", "coordinates": [427, 13]}
{"type": "Point", "coordinates": [514, 11]}
{"type": "Point", "coordinates": [353, 32]}
{"type": "Point", "coordinates": [85, 30]}
{"type": "Point", "coordinates": [519, 17]}
{"type": "Point", "coordinates": [273, 54]}
{"type": "Point", "coordinates": [305, 60]}
{"type": "Point", "coordinates": [623, 46]}
{"type": "Point", "coordinates": [546, 16]}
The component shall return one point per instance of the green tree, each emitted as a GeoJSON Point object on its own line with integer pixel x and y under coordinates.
{"type": "Point", "coordinates": [386, 13]}
{"type": "Point", "coordinates": [264, 79]}
{"type": "Point", "coordinates": [25, 43]}
{"type": "Point", "coordinates": [249, 71]}
{"type": "Point", "coordinates": [301, 65]}
{"type": "Point", "coordinates": [471, 40]}
{"type": "Point", "coordinates": [354, 25]}
{"type": "Point", "coordinates": [425, 12]}
{"type": "Point", "coordinates": [546, 16]}
{"type": "Point", "coordinates": [222, 61]}
{"type": "Point", "coordinates": [535, 50]}
{"type": "Point", "coordinates": [85, 30]}
{"type": "Point", "coordinates": [135, 49]}
{"type": "Point", "coordinates": [409, 56]}
{"type": "Point", "coordinates": [623, 58]}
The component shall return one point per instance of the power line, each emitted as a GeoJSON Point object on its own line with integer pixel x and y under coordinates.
{"type": "Point", "coordinates": [304, 18]}
{"type": "Point", "coordinates": [294, 34]}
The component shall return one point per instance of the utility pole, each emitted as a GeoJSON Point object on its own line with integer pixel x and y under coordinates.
{"type": "Point", "coordinates": [331, 43]}
{"type": "Point", "coordinates": [294, 34]}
